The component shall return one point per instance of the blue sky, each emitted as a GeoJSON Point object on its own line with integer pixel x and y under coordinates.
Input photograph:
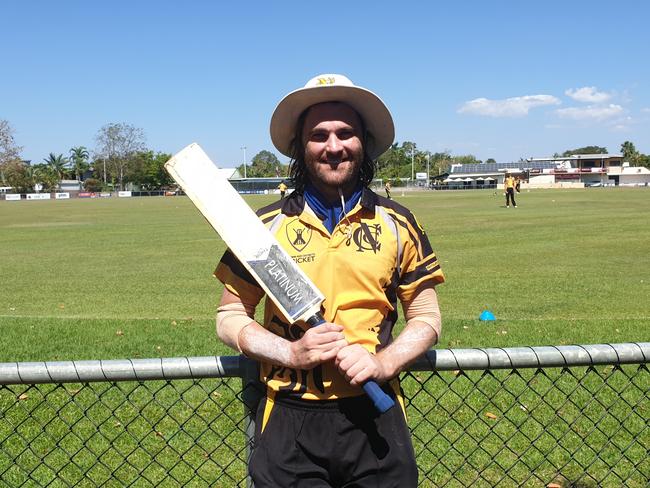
{"type": "Point", "coordinates": [497, 79]}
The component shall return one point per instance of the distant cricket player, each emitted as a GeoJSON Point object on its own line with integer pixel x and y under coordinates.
{"type": "Point", "coordinates": [509, 186]}
{"type": "Point", "coordinates": [364, 252]}
{"type": "Point", "coordinates": [283, 189]}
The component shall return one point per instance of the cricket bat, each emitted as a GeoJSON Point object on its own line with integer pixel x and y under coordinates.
{"type": "Point", "coordinates": [256, 248]}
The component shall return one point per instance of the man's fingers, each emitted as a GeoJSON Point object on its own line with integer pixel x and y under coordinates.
{"type": "Point", "coordinates": [328, 327]}
{"type": "Point", "coordinates": [333, 350]}
{"type": "Point", "coordinates": [350, 358]}
{"type": "Point", "coordinates": [350, 354]}
{"type": "Point", "coordinates": [327, 338]}
{"type": "Point", "coordinates": [357, 365]}
{"type": "Point", "coordinates": [324, 333]}
{"type": "Point", "coordinates": [360, 378]}
{"type": "Point", "coordinates": [359, 373]}
{"type": "Point", "coordinates": [354, 370]}
{"type": "Point", "coordinates": [320, 344]}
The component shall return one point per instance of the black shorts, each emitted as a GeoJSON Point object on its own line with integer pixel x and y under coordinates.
{"type": "Point", "coordinates": [338, 443]}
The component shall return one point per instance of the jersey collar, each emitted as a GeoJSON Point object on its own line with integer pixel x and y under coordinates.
{"type": "Point", "coordinates": [294, 204]}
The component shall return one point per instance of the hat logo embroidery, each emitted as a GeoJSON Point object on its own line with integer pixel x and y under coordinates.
{"type": "Point", "coordinates": [330, 80]}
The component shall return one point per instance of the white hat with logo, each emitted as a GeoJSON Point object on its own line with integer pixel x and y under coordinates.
{"type": "Point", "coordinates": [333, 88]}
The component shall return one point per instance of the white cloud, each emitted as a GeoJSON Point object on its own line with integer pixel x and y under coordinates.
{"type": "Point", "coordinates": [510, 107]}
{"type": "Point", "coordinates": [623, 124]}
{"type": "Point", "coordinates": [588, 94]}
{"type": "Point", "coordinates": [591, 112]}
{"type": "Point", "coordinates": [645, 110]}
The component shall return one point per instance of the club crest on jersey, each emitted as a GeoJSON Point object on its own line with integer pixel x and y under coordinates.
{"type": "Point", "coordinates": [366, 237]}
{"type": "Point", "coordinates": [298, 234]}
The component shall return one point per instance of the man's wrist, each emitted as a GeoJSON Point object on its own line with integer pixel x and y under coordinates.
{"type": "Point", "coordinates": [292, 354]}
{"type": "Point", "coordinates": [258, 343]}
{"type": "Point", "coordinates": [387, 365]}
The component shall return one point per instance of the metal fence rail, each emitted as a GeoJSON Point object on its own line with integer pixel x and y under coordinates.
{"type": "Point", "coordinates": [571, 415]}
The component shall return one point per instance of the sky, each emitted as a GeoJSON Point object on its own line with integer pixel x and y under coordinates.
{"type": "Point", "coordinates": [499, 79]}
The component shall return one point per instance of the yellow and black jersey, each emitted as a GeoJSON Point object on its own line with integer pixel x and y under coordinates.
{"type": "Point", "coordinates": [378, 254]}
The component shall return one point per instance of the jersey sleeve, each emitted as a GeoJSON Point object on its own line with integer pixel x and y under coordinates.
{"type": "Point", "coordinates": [236, 278]}
{"type": "Point", "coordinates": [419, 264]}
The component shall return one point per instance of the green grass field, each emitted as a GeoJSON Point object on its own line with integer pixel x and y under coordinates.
{"type": "Point", "coordinates": [121, 278]}
{"type": "Point", "coordinates": [129, 278]}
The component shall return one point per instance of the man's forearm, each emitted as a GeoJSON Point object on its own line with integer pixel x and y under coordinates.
{"type": "Point", "coordinates": [237, 328]}
{"type": "Point", "coordinates": [258, 343]}
{"type": "Point", "coordinates": [317, 345]}
{"type": "Point", "coordinates": [423, 324]}
{"type": "Point", "coordinates": [416, 338]}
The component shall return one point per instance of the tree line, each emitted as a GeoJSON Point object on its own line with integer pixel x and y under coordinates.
{"type": "Point", "coordinates": [120, 158]}
{"type": "Point", "coordinates": [403, 160]}
{"type": "Point", "coordinates": [398, 162]}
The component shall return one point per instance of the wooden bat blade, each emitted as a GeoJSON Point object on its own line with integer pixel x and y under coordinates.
{"type": "Point", "coordinates": [245, 234]}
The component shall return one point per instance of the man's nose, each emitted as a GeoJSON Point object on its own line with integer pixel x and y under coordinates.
{"type": "Point", "coordinates": [334, 145]}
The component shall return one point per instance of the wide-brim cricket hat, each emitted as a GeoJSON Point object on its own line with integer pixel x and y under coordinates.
{"type": "Point", "coordinates": [333, 88]}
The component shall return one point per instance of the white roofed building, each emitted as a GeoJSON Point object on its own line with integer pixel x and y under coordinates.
{"type": "Point", "coordinates": [590, 170]}
{"type": "Point", "coordinates": [555, 172]}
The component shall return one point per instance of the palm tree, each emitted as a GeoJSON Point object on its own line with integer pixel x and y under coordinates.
{"type": "Point", "coordinates": [58, 164]}
{"type": "Point", "coordinates": [31, 176]}
{"type": "Point", "coordinates": [43, 174]}
{"type": "Point", "coordinates": [629, 152]}
{"type": "Point", "coordinates": [79, 157]}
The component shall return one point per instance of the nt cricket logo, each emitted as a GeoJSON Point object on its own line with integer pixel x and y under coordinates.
{"type": "Point", "coordinates": [366, 237]}
{"type": "Point", "coordinates": [298, 235]}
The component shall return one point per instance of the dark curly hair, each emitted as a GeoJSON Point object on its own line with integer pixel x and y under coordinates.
{"type": "Point", "coordinates": [298, 169]}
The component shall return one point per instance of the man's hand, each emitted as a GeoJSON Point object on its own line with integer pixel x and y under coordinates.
{"type": "Point", "coordinates": [318, 345]}
{"type": "Point", "coordinates": [357, 365]}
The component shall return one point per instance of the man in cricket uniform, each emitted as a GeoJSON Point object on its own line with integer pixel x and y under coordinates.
{"type": "Point", "coordinates": [509, 184]}
{"type": "Point", "coordinates": [283, 189]}
{"type": "Point", "coordinates": [387, 188]}
{"type": "Point", "coordinates": [365, 253]}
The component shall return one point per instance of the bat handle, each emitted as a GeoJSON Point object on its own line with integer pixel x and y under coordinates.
{"type": "Point", "coordinates": [379, 398]}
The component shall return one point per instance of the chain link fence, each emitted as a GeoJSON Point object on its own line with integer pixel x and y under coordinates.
{"type": "Point", "coordinates": [569, 415]}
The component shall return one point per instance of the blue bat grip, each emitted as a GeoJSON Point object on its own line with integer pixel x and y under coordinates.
{"type": "Point", "coordinates": [379, 398]}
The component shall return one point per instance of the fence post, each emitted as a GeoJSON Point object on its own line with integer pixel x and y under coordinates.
{"type": "Point", "coordinates": [252, 391]}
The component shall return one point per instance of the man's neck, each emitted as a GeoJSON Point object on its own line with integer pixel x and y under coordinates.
{"type": "Point", "coordinates": [331, 194]}
{"type": "Point", "coordinates": [331, 212]}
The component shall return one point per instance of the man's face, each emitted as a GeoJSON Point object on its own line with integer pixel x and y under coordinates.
{"type": "Point", "coordinates": [333, 147]}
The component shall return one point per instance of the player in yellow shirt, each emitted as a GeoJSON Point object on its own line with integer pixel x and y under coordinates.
{"type": "Point", "coordinates": [365, 253]}
{"type": "Point", "coordinates": [509, 187]}
{"type": "Point", "coordinates": [283, 189]}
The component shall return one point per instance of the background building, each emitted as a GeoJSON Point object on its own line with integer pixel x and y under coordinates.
{"type": "Point", "coordinates": [554, 172]}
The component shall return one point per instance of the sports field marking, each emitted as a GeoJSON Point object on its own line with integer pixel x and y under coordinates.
{"type": "Point", "coordinates": [36, 225]}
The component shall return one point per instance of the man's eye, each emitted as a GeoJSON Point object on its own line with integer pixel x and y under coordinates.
{"type": "Point", "coordinates": [318, 137]}
{"type": "Point", "coordinates": [345, 134]}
